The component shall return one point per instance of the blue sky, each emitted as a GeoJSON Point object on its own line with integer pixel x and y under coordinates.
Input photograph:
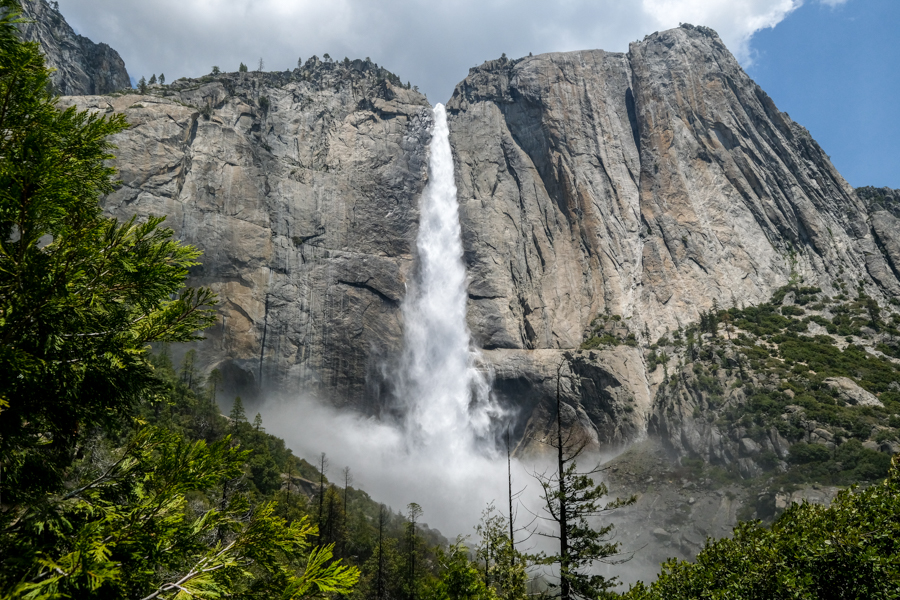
{"type": "Point", "coordinates": [836, 71]}
{"type": "Point", "coordinates": [832, 64]}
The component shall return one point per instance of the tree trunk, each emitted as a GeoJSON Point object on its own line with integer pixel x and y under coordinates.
{"type": "Point", "coordinates": [563, 521]}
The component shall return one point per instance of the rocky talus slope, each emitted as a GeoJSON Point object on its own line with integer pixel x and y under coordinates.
{"type": "Point", "coordinates": [301, 188]}
{"type": "Point", "coordinates": [82, 67]}
{"type": "Point", "coordinates": [647, 186]}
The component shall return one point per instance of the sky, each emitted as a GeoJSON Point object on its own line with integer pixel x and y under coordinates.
{"type": "Point", "coordinates": [831, 64]}
{"type": "Point", "coordinates": [836, 71]}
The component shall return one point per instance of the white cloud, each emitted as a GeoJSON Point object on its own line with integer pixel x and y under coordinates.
{"type": "Point", "coordinates": [833, 3]}
{"type": "Point", "coordinates": [735, 22]}
{"type": "Point", "coordinates": [431, 44]}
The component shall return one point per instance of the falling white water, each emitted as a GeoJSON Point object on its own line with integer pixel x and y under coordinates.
{"type": "Point", "coordinates": [448, 399]}
{"type": "Point", "coordinates": [439, 458]}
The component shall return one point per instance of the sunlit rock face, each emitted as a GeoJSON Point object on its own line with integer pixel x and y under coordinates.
{"type": "Point", "coordinates": [301, 189]}
{"type": "Point", "coordinates": [81, 66]}
{"type": "Point", "coordinates": [647, 185]}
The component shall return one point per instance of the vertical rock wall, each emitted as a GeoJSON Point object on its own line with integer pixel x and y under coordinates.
{"type": "Point", "coordinates": [301, 190]}
{"type": "Point", "coordinates": [647, 185]}
{"type": "Point", "coordinates": [643, 186]}
{"type": "Point", "coordinates": [82, 67]}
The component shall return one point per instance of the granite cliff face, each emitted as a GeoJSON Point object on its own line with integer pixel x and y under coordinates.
{"type": "Point", "coordinates": [647, 185]}
{"type": "Point", "coordinates": [82, 67]}
{"type": "Point", "coordinates": [301, 188]}
{"type": "Point", "coordinates": [883, 206]}
{"type": "Point", "coordinates": [602, 195]}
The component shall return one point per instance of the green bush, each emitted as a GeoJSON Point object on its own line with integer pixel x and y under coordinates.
{"type": "Point", "coordinates": [850, 549]}
{"type": "Point", "coordinates": [804, 453]}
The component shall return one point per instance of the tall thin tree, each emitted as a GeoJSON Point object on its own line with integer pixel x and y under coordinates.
{"type": "Point", "coordinates": [414, 511]}
{"type": "Point", "coordinates": [379, 578]}
{"type": "Point", "coordinates": [323, 466]}
{"type": "Point", "coordinates": [571, 501]}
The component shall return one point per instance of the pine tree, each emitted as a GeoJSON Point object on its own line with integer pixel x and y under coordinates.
{"type": "Point", "coordinates": [323, 466]}
{"type": "Point", "coordinates": [162, 79]}
{"type": "Point", "coordinates": [212, 384]}
{"type": "Point", "coordinates": [571, 500]}
{"type": "Point", "coordinates": [242, 68]}
{"type": "Point", "coordinates": [257, 423]}
{"type": "Point", "coordinates": [504, 567]}
{"type": "Point", "coordinates": [78, 312]}
{"type": "Point", "coordinates": [188, 372]}
{"type": "Point", "coordinates": [217, 70]}
{"type": "Point", "coordinates": [152, 79]}
{"type": "Point", "coordinates": [237, 414]}
{"type": "Point", "coordinates": [413, 543]}
{"type": "Point", "coordinates": [142, 85]}
{"type": "Point", "coordinates": [77, 315]}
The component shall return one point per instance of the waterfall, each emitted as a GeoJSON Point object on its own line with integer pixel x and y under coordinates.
{"type": "Point", "coordinates": [448, 399]}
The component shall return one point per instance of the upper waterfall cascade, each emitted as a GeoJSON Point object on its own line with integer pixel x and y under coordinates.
{"type": "Point", "coordinates": [448, 397]}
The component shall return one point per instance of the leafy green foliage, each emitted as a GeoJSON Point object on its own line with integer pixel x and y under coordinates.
{"type": "Point", "coordinates": [608, 330]}
{"type": "Point", "coordinates": [850, 549]}
{"type": "Point", "coordinates": [129, 528]}
{"type": "Point", "coordinates": [460, 578]}
{"type": "Point", "coordinates": [767, 374]}
{"type": "Point", "coordinates": [95, 502]}
{"type": "Point", "coordinates": [81, 295]}
{"type": "Point", "coordinates": [504, 568]}
{"type": "Point", "coordinates": [573, 500]}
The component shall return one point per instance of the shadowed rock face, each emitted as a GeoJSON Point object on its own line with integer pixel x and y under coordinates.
{"type": "Point", "coordinates": [883, 206]}
{"type": "Point", "coordinates": [649, 185]}
{"type": "Point", "coordinates": [301, 190]}
{"type": "Point", "coordinates": [82, 67]}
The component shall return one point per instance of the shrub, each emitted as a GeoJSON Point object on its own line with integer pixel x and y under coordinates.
{"type": "Point", "coordinates": [804, 453]}
{"type": "Point", "coordinates": [850, 549]}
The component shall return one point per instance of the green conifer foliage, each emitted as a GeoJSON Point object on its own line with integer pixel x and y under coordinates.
{"type": "Point", "coordinates": [81, 296]}
{"type": "Point", "coordinates": [237, 414]}
{"type": "Point", "coordinates": [94, 503]}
